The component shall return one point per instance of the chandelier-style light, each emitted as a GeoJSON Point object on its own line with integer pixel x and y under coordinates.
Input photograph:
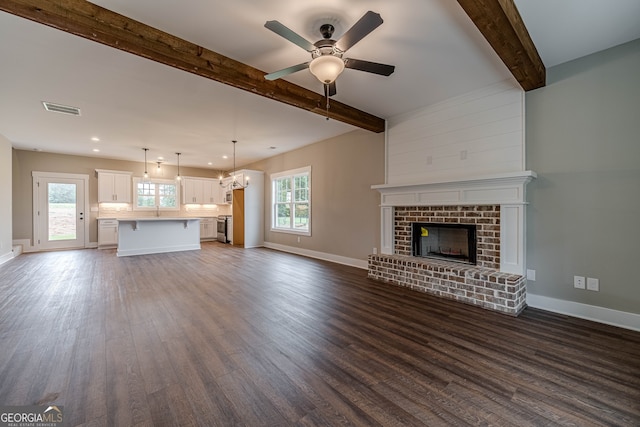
{"type": "Point", "coordinates": [234, 182]}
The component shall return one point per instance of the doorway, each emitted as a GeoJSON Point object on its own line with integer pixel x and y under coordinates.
{"type": "Point", "coordinates": [59, 210]}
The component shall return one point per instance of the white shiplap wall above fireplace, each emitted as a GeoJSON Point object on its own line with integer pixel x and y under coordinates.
{"type": "Point", "coordinates": [476, 134]}
{"type": "Point", "coordinates": [468, 150]}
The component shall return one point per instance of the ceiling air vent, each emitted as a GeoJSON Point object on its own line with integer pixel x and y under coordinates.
{"type": "Point", "coordinates": [64, 109]}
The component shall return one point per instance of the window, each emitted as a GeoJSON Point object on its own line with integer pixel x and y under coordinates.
{"type": "Point", "coordinates": [160, 193]}
{"type": "Point", "coordinates": [291, 201]}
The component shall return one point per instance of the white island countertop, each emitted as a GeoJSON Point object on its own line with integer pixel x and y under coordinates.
{"type": "Point", "coordinates": [151, 235]}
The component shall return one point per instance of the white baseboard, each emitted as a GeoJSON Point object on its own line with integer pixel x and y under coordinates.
{"type": "Point", "coordinates": [353, 262]}
{"type": "Point", "coordinates": [6, 257]}
{"type": "Point", "coordinates": [607, 316]}
{"type": "Point", "coordinates": [25, 244]}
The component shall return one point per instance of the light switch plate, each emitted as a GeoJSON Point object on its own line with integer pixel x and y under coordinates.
{"type": "Point", "coordinates": [593, 284]}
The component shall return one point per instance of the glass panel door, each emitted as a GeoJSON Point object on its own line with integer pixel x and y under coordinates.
{"type": "Point", "coordinates": [60, 213]}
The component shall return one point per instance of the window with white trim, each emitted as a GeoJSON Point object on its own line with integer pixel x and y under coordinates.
{"type": "Point", "coordinates": [291, 201]}
{"type": "Point", "coordinates": [162, 194]}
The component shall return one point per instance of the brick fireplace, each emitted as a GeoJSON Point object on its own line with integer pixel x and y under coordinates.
{"type": "Point", "coordinates": [494, 204]}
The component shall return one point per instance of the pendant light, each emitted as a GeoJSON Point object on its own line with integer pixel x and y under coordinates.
{"type": "Point", "coordinates": [146, 175]}
{"type": "Point", "coordinates": [178, 177]}
{"type": "Point", "coordinates": [234, 183]}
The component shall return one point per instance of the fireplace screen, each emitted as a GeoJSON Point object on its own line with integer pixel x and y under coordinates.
{"type": "Point", "coordinates": [453, 242]}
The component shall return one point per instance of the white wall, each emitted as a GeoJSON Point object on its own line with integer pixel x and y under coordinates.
{"type": "Point", "coordinates": [6, 225]}
{"type": "Point", "coordinates": [476, 134]}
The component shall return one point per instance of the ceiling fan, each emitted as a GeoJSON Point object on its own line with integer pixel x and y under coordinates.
{"type": "Point", "coordinates": [327, 60]}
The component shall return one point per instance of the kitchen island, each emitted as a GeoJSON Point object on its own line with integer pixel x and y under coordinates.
{"type": "Point", "coordinates": [140, 236]}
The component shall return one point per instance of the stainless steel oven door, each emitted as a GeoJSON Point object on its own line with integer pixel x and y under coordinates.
{"type": "Point", "coordinates": [221, 226]}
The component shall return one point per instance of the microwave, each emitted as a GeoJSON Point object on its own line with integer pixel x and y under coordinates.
{"type": "Point", "coordinates": [228, 197]}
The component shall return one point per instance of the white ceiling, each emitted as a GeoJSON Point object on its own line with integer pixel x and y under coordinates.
{"type": "Point", "coordinates": [131, 103]}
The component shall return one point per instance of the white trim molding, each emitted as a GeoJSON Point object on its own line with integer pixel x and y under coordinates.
{"type": "Point", "coordinates": [363, 264]}
{"type": "Point", "coordinates": [507, 190]}
{"type": "Point", "coordinates": [594, 313]}
{"type": "Point", "coordinates": [7, 257]}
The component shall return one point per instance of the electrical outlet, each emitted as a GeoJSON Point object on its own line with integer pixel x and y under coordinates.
{"type": "Point", "coordinates": [375, 251]}
{"type": "Point", "coordinates": [593, 284]}
{"type": "Point", "coordinates": [578, 282]}
{"type": "Point", "coordinates": [298, 239]}
{"type": "Point", "coordinates": [531, 275]}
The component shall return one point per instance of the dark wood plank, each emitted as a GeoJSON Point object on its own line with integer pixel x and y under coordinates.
{"type": "Point", "coordinates": [500, 23]}
{"type": "Point", "coordinates": [229, 336]}
{"type": "Point", "coordinates": [95, 23]}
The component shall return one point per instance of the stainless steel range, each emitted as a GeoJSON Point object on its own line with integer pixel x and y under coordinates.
{"type": "Point", "coordinates": [223, 227]}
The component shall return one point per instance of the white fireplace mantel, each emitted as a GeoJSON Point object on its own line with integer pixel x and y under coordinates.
{"type": "Point", "coordinates": [506, 190]}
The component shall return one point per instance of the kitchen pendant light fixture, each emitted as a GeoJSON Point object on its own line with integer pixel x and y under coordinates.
{"type": "Point", "coordinates": [178, 177]}
{"type": "Point", "coordinates": [146, 174]}
{"type": "Point", "coordinates": [234, 185]}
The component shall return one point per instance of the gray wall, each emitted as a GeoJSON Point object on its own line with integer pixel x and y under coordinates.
{"type": "Point", "coordinates": [345, 212]}
{"type": "Point", "coordinates": [583, 140]}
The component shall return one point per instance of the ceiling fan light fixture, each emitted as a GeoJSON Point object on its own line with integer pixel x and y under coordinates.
{"type": "Point", "coordinates": [326, 68]}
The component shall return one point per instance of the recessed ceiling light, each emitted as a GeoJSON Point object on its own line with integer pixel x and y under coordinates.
{"type": "Point", "coordinates": [209, 163]}
{"type": "Point", "coordinates": [95, 139]}
{"type": "Point", "coordinates": [272, 148]}
{"type": "Point", "coordinates": [225, 157]}
{"type": "Point", "coordinates": [96, 150]}
{"type": "Point", "coordinates": [160, 158]}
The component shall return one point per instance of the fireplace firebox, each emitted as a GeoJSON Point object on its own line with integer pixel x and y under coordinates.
{"type": "Point", "coordinates": [451, 242]}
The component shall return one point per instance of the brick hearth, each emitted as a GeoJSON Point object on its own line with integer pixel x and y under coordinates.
{"type": "Point", "coordinates": [482, 285]}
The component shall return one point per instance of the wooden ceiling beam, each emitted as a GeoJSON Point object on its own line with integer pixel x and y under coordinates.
{"type": "Point", "coordinates": [101, 25]}
{"type": "Point", "coordinates": [501, 24]}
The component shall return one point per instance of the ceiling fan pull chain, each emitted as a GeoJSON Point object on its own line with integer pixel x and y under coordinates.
{"type": "Point", "coordinates": [326, 94]}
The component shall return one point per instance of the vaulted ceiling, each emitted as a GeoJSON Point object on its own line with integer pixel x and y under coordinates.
{"type": "Point", "coordinates": [440, 49]}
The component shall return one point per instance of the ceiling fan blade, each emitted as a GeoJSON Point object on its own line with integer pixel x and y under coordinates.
{"type": "Point", "coordinates": [330, 89]}
{"type": "Point", "coordinates": [288, 34]}
{"type": "Point", "coordinates": [286, 71]}
{"type": "Point", "coordinates": [369, 67]}
{"type": "Point", "coordinates": [369, 22]}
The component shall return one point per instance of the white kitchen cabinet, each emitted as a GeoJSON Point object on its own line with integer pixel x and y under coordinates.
{"type": "Point", "coordinates": [212, 192]}
{"type": "Point", "coordinates": [201, 191]}
{"type": "Point", "coordinates": [208, 228]}
{"type": "Point", "coordinates": [114, 186]}
{"type": "Point", "coordinates": [192, 191]}
{"type": "Point", "coordinates": [107, 233]}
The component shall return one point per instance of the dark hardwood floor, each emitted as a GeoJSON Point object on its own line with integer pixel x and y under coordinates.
{"type": "Point", "coordinates": [227, 336]}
